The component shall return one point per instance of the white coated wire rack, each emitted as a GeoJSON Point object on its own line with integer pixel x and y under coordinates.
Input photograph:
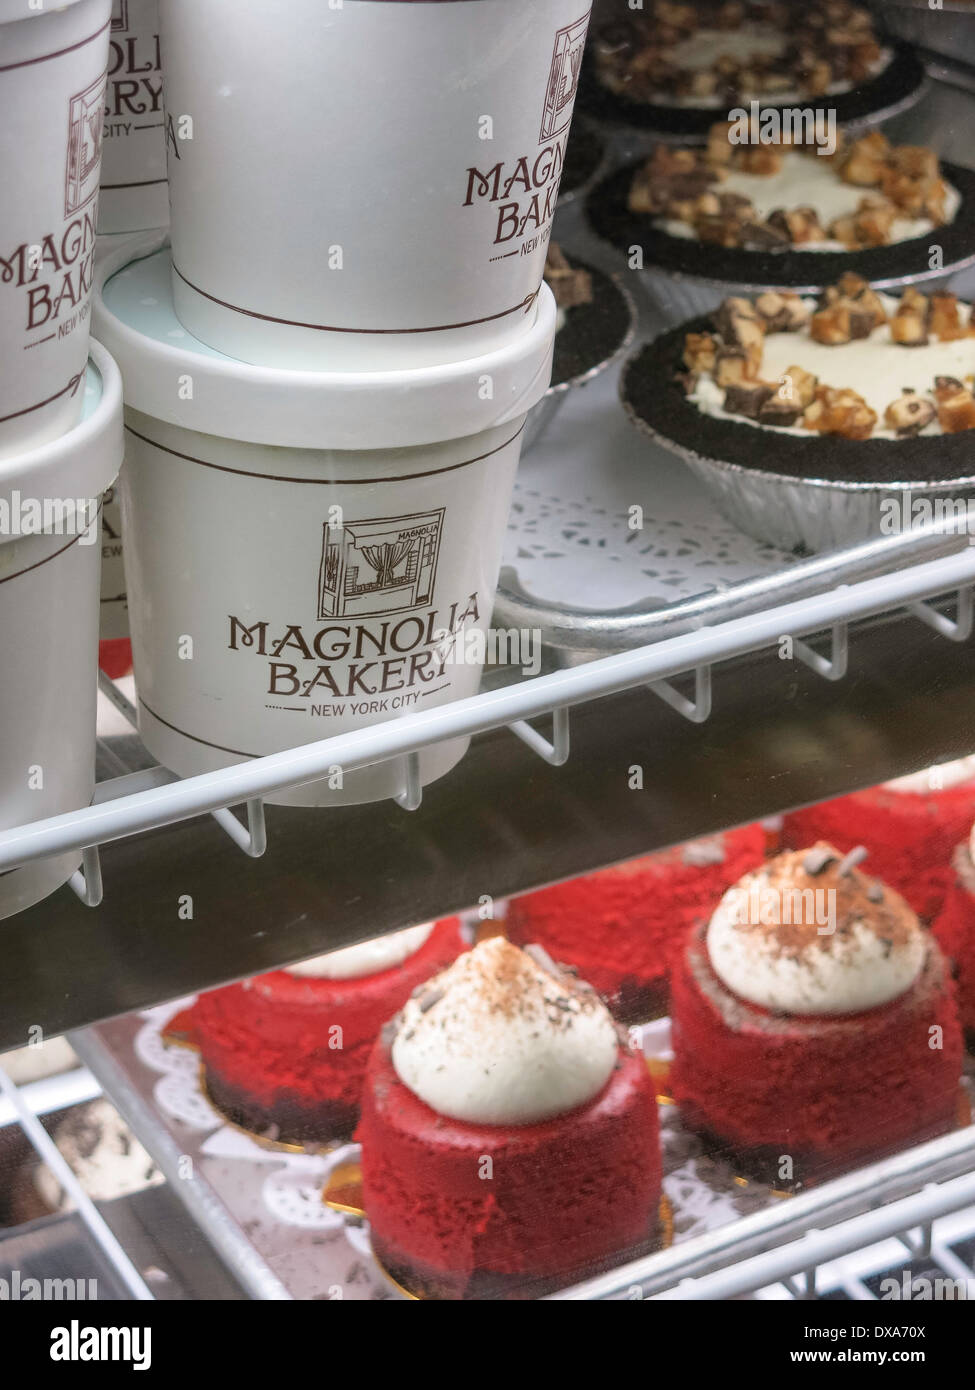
{"type": "Point", "coordinates": [147, 800]}
{"type": "Point", "coordinates": [941, 1253]}
{"type": "Point", "coordinates": [834, 1241]}
{"type": "Point", "coordinates": [899, 1199]}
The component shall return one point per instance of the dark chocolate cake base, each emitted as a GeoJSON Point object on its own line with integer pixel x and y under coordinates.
{"type": "Point", "coordinates": [762, 1165]}
{"type": "Point", "coordinates": [638, 1002]}
{"type": "Point", "coordinates": [290, 1121]}
{"type": "Point", "coordinates": [488, 1286]}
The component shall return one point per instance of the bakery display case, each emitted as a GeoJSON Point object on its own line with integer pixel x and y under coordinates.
{"type": "Point", "coordinates": [523, 849]}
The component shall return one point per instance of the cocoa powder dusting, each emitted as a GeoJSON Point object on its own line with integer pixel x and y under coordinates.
{"type": "Point", "coordinates": [801, 878]}
{"type": "Point", "coordinates": [511, 988]}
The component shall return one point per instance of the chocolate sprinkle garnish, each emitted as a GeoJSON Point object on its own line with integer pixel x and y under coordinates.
{"type": "Point", "coordinates": [543, 960]}
{"type": "Point", "coordinates": [850, 861]}
{"type": "Point", "coordinates": [428, 1000]}
{"type": "Point", "coordinates": [816, 861]}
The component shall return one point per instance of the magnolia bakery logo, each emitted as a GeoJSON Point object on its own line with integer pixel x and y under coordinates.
{"type": "Point", "coordinates": [524, 191]}
{"type": "Point", "coordinates": [382, 569]}
{"type": "Point", "coordinates": [563, 78]}
{"type": "Point", "coordinates": [86, 116]}
{"type": "Point", "coordinates": [135, 80]}
{"type": "Point", "coordinates": [383, 565]}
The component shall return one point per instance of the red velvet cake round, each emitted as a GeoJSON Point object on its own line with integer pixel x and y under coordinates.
{"type": "Point", "coordinates": [115, 657]}
{"type": "Point", "coordinates": [549, 1165]}
{"type": "Point", "coordinates": [284, 1054]}
{"type": "Point", "coordinates": [623, 927]}
{"type": "Point", "coordinates": [911, 826]}
{"type": "Point", "coordinates": [801, 1052]}
{"type": "Point", "coordinates": [955, 929]}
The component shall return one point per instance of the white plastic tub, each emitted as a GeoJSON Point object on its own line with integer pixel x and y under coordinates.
{"type": "Point", "coordinates": [366, 185]}
{"type": "Point", "coordinates": [49, 623]}
{"type": "Point", "coordinates": [296, 543]}
{"type": "Point", "coordinates": [133, 192]}
{"type": "Point", "coordinates": [52, 95]}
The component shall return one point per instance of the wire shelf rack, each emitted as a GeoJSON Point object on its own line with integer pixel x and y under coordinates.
{"type": "Point", "coordinates": [734, 627]}
{"type": "Point", "coordinates": [836, 1241]}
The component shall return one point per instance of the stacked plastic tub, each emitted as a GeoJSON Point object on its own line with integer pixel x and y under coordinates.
{"type": "Point", "coordinates": [133, 196]}
{"type": "Point", "coordinates": [60, 418]}
{"type": "Point", "coordinates": [133, 193]}
{"type": "Point", "coordinates": [328, 371]}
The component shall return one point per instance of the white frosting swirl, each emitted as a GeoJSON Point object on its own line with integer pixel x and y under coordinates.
{"type": "Point", "coordinates": [794, 963]}
{"type": "Point", "coordinates": [935, 779]}
{"type": "Point", "coordinates": [368, 958]}
{"type": "Point", "coordinates": [504, 1041]}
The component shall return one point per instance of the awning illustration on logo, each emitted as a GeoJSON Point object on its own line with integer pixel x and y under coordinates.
{"type": "Point", "coordinates": [382, 565]}
{"type": "Point", "coordinates": [563, 78]}
{"type": "Point", "coordinates": [86, 114]}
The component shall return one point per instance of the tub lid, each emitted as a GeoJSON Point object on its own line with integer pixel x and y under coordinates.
{"type": "Point", "coordinates": [76, 466]}
{"type": "Point", "coordinates": [174, 377]}
{"type": "Point", "coordinates": [12, 10]}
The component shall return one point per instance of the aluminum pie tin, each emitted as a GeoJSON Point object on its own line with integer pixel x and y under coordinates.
{"type": "Point", "coordinates": [948, 30]}
{"type": "Point", "coordinates": [808, 514]}
{"type": "Point", "coordinates": [685, 277]}
{"type": "Point", "coordinates": [593, 337]}
{"type": "Point", "coordinates": [804, 512]}
{"type": "Point", "coordinates": [893, 90]}
{"type": "Point", "coordinates": [586, 160]}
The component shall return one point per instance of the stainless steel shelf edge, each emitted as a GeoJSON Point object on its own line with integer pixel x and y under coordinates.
{"type": "Point", "coordinates": [176, 801]}
{"type": "Point", "coordinates": [774, 1235]}
{"type": "Point", "coordinates": [197, 1196]}
{"type": "Point", "coordinates": [578, 630]}
{"type": "Point", "coordinates": [817, 1247]}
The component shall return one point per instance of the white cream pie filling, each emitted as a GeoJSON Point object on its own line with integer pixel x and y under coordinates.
{"type": "Point", "coordinates": [800, 943]}
{"type": "Point", "coordinates": [495, 1039]}
{"type": "Point", "coordinates": [368, 958]}
{"type": "Point", "coordinates": [875, 367]}
{"type": "Point", "coordinates": [810, 180]}
{"type": "Point", "coordinates": [750, 40]}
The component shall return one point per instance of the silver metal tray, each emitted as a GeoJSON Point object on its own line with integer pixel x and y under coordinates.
{"type": "Point", "coordinates": [593, 576]}
{"type": "Point", "coordinates": [947, 30]}
{"type": "Point", "coordinates": [262, 1211]}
